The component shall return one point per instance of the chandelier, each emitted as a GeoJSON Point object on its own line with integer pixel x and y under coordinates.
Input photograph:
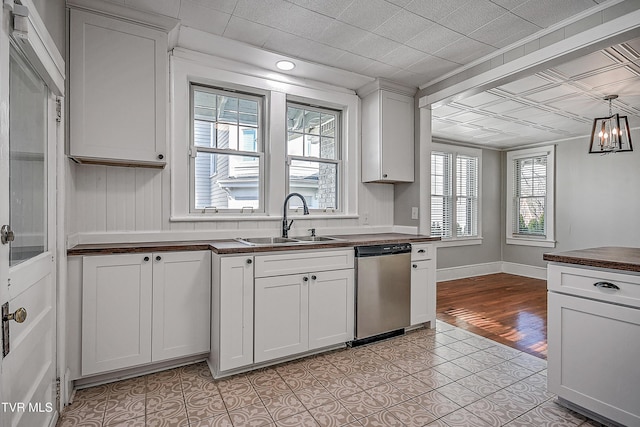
{"type": "Point", "coordinates": [610, 134]}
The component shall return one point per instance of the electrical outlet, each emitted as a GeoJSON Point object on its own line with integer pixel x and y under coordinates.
{"type": "Point", "coordinates": [414, 213]}
{"type": "Point", "coordinates": [365, 218]}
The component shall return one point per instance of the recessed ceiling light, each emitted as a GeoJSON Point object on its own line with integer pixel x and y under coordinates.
{"type": "Point", "coordinates": [285, 65]}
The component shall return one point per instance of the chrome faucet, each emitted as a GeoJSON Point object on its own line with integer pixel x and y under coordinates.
{"type": "Point", "coordinates": [287, 226]}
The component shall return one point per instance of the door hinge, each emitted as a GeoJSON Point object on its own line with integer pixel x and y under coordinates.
{"type": "Point", "coordinates": [58, 110]}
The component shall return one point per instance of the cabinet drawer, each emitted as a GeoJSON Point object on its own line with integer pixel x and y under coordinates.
{"type": "Point", "coordinates": [582, 282]}
{"type": "Point", "coordinates": [303, 262]}
{"type": "Point", "coordinates": [420, 251]}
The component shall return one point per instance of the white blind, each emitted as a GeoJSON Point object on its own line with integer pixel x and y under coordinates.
{"type": "Point", "coordinates": [466, 196]}
{"type": "Point", "coordinates": [441, 189]}
{"type": "Point", "coordinates": [530, 195]}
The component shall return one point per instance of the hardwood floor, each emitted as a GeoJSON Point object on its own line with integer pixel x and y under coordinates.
{"type": "Point", "coordinates": [506, 308]}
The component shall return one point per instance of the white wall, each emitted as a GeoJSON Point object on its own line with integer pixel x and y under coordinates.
{"type": "Point", "coordinates": [597, 201]}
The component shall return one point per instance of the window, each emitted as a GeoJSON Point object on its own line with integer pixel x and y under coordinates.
{"type": "Point", "coordinates": [455, 192]}
{"type": "Point", "coordinates": [226, 151]}
{"type": "Point", "coordinates": [530, 192]}
{"type": "Point", "coordinates": [313, 156]}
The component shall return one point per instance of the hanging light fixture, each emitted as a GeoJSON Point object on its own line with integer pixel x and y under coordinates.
{"type": "Point", "coordinates": [610, 134]}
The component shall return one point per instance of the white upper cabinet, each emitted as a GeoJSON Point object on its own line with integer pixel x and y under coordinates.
{"type": "Point", "coordinates": [118, 91]}
{"type": "Point", "coordinates": [387, 132]}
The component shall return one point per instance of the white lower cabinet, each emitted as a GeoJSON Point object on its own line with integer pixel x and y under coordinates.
{"type": "Point", "coordinates": [423, 284]}
{"type": "Point", "coordinates": [143, 308]}
{"type": "Point", "coordinates": [233, 323]}
{"type": "Point", "coordinates": [310, 308]}
{"type": "Point", "coordinates": [594, 341]}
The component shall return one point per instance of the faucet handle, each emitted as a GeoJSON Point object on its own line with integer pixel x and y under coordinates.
{"type": "Point", "coordinates": [313, 232]}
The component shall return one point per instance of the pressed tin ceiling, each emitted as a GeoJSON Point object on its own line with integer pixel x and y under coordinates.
{"type": "Point", "coordinates": [414, 42]}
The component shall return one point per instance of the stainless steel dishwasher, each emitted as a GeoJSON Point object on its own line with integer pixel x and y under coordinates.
{"type": "Point", "coordinates": [383, 291]}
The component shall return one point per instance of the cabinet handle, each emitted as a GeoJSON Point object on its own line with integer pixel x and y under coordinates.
{"type": "Point", "coordinates": [314, 277]}
{"type": "Point", "coordinates": [160, 156]}
{"type": "Point", "coordinates": [305, 279]}
{"type": "Point", "coordinates": [146, 259]}
{"type": "Point", "coordinates": [384, 175]}
{"type": "Point", "coordinates": [606, 285]}
{"type": "Point", "coordinates": [249, 261]}
{"type": "Point", "coordinates": [158, 258]}
{"type": "Point", "coordinates": [421, 251]}
{"type": "Point", "coordinates": [415, 265]}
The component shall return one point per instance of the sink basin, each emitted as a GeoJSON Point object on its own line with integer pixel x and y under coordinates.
{"type": "Point", "coordinates": [274, 241]}
{"type": "Point", "coordinates": [315, 238]}
{"type": "Point", "coordinates": [266, 241]}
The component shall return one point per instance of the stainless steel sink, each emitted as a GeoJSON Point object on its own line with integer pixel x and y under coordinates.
{"type": "Point", "coordinates": [316, 239]}
{"type": "Point", "coordinates": [266, 241]}
{"type": "Point", "coordinates": [275, 241]}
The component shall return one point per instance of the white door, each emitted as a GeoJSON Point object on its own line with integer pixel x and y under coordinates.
{"type": "Point", "coordinates": [27, 264]}
{"type": "Point", "coordinates": [330, 308]}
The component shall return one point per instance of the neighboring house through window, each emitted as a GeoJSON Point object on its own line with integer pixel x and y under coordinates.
{"type": "Point", "coordinates": [455, 193]}
{"type": "Point", "coordinates": [226, 151]}
{"type": "Point", "coordinates": [530, 202]}
{"type": "Point", "coordinates": [313, 156]}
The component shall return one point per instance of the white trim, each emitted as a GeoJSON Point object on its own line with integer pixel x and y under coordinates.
{"type": "Point", "coordinates": [464, 271]}
{"type": "Point", "coordinates": [524, 270]}
{"type": "Point", "coordinates": [473, 270]}
{"type": "Point", "coordinates": [40, 49]}
{"type": "Point", "coordinates": [549, 212]}
{"type": "Point", "coordinates": [405, 229]}
{"type": "Point", "coordinates": [153, 20]}
{"type": "Point", "coordinates": [257, 217]}
{"type": "Point", "coordinates": [466, 241]}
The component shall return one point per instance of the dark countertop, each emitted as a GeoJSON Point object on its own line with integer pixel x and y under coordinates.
{"type": "Point", "coordinates": [229, 246]}
{"type": "Point", "coordinates": [616, 258]}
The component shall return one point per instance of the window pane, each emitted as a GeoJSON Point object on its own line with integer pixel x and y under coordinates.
{"type": "Point", "coordinates": [440, 216]}
{"type": "Point", "coordinates": [295, 119]}
{"type": "Point", "coordinates": [295, 144]}
{"type": "Point", "coordinates": [227, 109]}
{"type": "Point", "coordinates": [466, 217]}
{"type": "Point", "coordinates": [328, 148]}
{"type": "Point", "coordinates": [248, 114]}
{"type": "Point", "coordinates": [530, 214]}
{"type": "Point", "coordinates": [248, 139]}
{"type": "Point", "coordinates": [204, 134]}
{"type": "Point", "coordinates": [312, 146]}
{"type": "Point", "coordinates": [204, 105]}
{"type": "Point", "coordinates": [227, 136]}
{"type": "Point", "coordinates": [316, 181]}
{"type": "Point", "coordinates": [312, 122]}
{"type": "Point", "coordinates": [226, 181]}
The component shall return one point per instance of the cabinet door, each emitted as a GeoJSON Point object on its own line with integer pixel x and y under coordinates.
{"type": "Point", "coordinates": [281, 316]}
{"type": "Point", "coordinates": [181, 304]}
{"type": "Point", "coordinates": [330, 308]}
{"type": "Point", "coordinates": [116, 312]}
{"type": "Point", "coordinates": [397, 137]}
{"type": "Point", "coordinates": [118, 91]}
{"type": "Point", "coordinates": [423, 292]}
{"type": "Point", "coordinates": [236, 312]}
{"type": "Point", "coordinates": [593, 356]}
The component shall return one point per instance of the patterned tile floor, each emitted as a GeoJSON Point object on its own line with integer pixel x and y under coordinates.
{"type": "Point", "coordinates": [442, 377]}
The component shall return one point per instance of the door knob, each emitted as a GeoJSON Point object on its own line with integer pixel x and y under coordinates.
{"type": "Point", "coordinates": [20, 315]}
{"type": "Point", "coordinates": [6, 234]}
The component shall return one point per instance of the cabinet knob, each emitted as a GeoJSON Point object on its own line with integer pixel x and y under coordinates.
{"type": "Point", "coordinates": [415, 265]}
{"type": "Point", "coordinates": [158, 258]}
{"type": "Point", "coordinates": [249, 261]}
{"type": "Point", "coordinates": [160, 156]}
{"type": "Point", "coordinates": [305, 279]}
{"type": "Point", "coordinates": [314, 277]}
{"type": "Point", "coordinates": [384, 175]}
{"type": "Point", "coordinates": [146, 259]}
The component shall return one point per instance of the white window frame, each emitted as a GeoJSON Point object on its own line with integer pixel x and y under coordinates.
{"type": "Point", "coordinates": [259, 153]}
{"type": "Point", "coordinates": [512, 238]}
{"type": "Point", "coordinates": [337, 162]}
{"type": "Point", "coordinates": [188, 67]}
{"type": "Point", "coordinates": [456, 150]}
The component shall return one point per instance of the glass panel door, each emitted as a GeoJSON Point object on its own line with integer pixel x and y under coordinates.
{"type": "Point", "coordinates": [27, 161]}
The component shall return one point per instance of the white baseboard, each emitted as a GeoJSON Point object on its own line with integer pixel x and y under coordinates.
{"type": "Point", "coordinates": [524, 270]}
{"type": "Point", "coordinates": [464, 271]}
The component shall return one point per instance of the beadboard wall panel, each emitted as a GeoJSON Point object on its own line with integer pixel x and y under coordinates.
{"type": "Point", "coordinates": [106, 199]}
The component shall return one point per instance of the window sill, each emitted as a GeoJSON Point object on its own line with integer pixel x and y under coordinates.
{"type": "Point", "coordinates": [531, 242]}
{"type": "Point", "coordinates": [257, 217]}
{"type": "Point", "coordinates": [460, 242]}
